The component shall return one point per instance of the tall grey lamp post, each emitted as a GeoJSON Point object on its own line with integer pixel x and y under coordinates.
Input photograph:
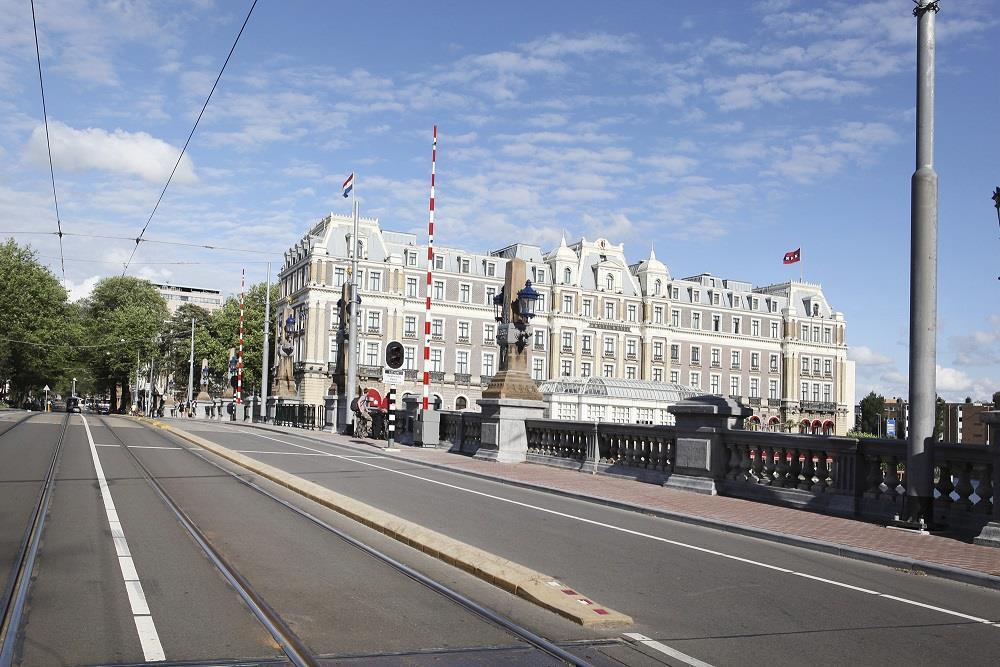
{"type": "Point", "coordinates": [918, 510]}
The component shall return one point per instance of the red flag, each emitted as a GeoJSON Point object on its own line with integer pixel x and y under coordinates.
{"type": "Point", "coordinates": [793, 256]}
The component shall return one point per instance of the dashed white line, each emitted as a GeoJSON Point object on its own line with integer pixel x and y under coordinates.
{"type": "Point", "coordinates": [657, 538]}
{"type": "Point", "coordinates": [663, 648]}
{"type": "Point", "coordinates": [152, 650]}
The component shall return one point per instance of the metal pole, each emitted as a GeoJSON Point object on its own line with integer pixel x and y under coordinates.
{"type": "Point", "coordinates": [923, 283]}
{"type": "Point", "coordinates": [425, 404]}
{"type": "Point", "coordinates": [240, 414]}
{"type": "Point", "coordinates": [267, 330]}
{"type": "Point", "coordinates": [191, 366]}
{"type": "Point", "coordinates": [352, 290]}
{"type": "Point", "coordinates": [135, 401]}
{"type": "Point", "coordinates": [149, 401]}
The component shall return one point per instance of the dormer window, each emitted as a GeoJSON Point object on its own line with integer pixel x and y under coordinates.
{"type": "Point", "coordinates": [815, 309]}
{"type": "Point", "coordinates": [657, 286]}
{"type": "Point", "coordinates": [610, 282]}
{"type": "Point", "coordinates": [464, 265]}
{"type": "Point", "coordinates": [567, 277]}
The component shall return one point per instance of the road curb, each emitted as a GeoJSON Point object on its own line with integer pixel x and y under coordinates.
{"type": "Point", "coordinates": [534, 586]}
{"type": "Point", "coordinates": [843, 550]}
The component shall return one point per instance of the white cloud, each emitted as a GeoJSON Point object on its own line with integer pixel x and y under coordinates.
{"type": "Point", "coordinates": [82, 289]}
{"type": "Point", "coordinates": [979, 348]}
{"type": "Point", "coordinates": [865, 356]}
{"type": "Point", "coordinates": [118, 151]}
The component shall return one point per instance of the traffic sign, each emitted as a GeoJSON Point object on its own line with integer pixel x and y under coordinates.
{"type": "Point", "coordinates": [46, 388]}
{"type": "Point", "coordinates": [393, 376]}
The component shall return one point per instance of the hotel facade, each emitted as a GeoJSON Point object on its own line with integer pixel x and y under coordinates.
{"type": "Point", "coordinates": [781, 349]}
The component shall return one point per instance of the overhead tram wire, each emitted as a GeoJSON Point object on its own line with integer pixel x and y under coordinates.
{"type": "Point", "coordinates": [137, 241]}
{"type": "Point", "coordinates": [190, 135]}
{"type": "Point", "coordinates": [48, 143]}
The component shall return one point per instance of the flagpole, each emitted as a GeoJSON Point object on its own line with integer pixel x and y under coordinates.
{"type": "Point", "coordinates": [352, 308]}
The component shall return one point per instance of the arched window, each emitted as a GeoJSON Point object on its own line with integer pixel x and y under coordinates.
{"type": "Point", "coordinates": [804, 426]}
{"type": "Point", "coordinates": [461, 403]}
{"type": "Point", "coordinates": [567, 276]}
{"type": "Point", "coordinates": [436, 401]}
{"type": "Point", "coordinates": [828, 428]}
{"type": "Point", "coordinates": [773, 424]}
{"type": "Point", "coordinates": [657, 286]}
{"type": "Point", "coordinates": [611, 282]}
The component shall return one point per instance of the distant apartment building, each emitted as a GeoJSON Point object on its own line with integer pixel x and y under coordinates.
{"type": "Point", "coordinates": [899, 410]}
{"type": "Point", "coordinates": [177, 295]}
{"type": "Point", "coordinates": [781, 349]}
{"type": "Point", "coordinates": [962, 422]}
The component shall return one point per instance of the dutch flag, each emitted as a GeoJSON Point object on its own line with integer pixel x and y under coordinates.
{"type": "Point", "coordinates": [348, 185]}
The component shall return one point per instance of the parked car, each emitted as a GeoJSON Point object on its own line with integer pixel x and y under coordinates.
{"type": "Point", "coordinates": [73, 404]}
{"type": "Point", "coordinates": [104, 408]}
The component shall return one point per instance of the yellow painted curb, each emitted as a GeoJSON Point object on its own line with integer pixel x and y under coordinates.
{"type": "Point", "coordinates": [524, 582]}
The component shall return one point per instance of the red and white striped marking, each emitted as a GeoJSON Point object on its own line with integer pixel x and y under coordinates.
{"type": "Point", "coordinates": [430, 266]}
{"type": "Point", "coordinates": [239, 355]}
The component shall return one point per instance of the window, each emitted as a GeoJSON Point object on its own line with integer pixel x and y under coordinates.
{"type": "Point", "coordinates": [595, 412]}
{"type": "Point", "coordinates": [489, 333]}
{"type": "Point", "coordinates": [804, 332]}
{"type": "Point", "coordinates": [411, 287]}
{"type": "Point", "coordinates": [716, 323]}
{"type": "Point", "coordinates": [410, 326]}
{"type": "Point", "coordinates": [630, 347]}
{"type": "Point", "coordinates": [658, 350]}
{"type": "Point", "coordinates": [609, 371]}
{"type": "Point", "coordinates": [630, 372]}
{"type": "Point", "coordinates": [695, 296]}
{"type": "Point", "coordinates": [675, 318]}
{"type": "Point", "coordinates": [463, 333]}
{"type": "Point", "coordinates": [490, 269]}
{"type": "Point", "coordinates": [339, 276]}
{"type": "Point", "coordinates": [610, 282]}
{"type": "Point", "coordinates": [567, 306]}
{"type": "Point", "coordinates": [374, 321]}
{"type": "Point", "coordinates": [586, 343]}
{"type": "Point", "coordinates": [675, 352]}
{"type": "Point", "coordinates": [464, 293]}
{"type": "Point", "coordinates": [371, 354]}
{"type": "Point", "coordinates": [696, 320]}
{"type": "Point", "coordinates": [816, 365]}
{"type": "Point", "coordinates": [755, 303]}
{"type": "Point", "coordinates": [539, 339]}
{"type": "Point", "coordinates": [715, 298]}
{"type": "Point", "coordinates": [464, 265]}
{"type": "Point", "coordinates": [439, 290]}
{"type": "Point", "coordinates": [411, 258]}
{"type": "Point", "coordinates": [488, 367]}
{"type": "Point", "coordinates": [658, 315]}
{"type": "Point", "coordinates": [774, 329]}
{"type": "Point", "coordinates": [804, 396]}
{"type": "Point", "coordinates": [375, 281]}
{"type": "Point", "coordinates": [439, 262]}
{"type": "Point", "coordinates": [815, 310]}
{"type": "Point", "coordinates": [774, 363]}
{"type": "Point", "coordinates": [715, 385]}
{"type": "Point", "coordinates": [734, 385]}
{"type": "Point", "coordinates": [772, 389]}
{"type": "Point", "coordinates": [805, 364]}
{"type": "Point", "coordinates": [826, 393]}
{"type": "Point", "coordinates": [695, 354]}
{"type": "Point", "coordinates": [540, 304]}
{"type": "Point", "coordinates": [816, 392]}
{"type": "Point", "coordinates": [827, 367]}
{"type": "Point", "coordinates": [674, 376]}
{"type": "Point", "coordinates": [537, 369]}
{"type": "Point", "coordinates": [491, 292]}
{"type": "Point", "coordinates": [695, 379]}
{"type": "Point", "coordinates": [737, 325]}
{"type": "Point", "coordinates": [632, 312]}
{"type": "Point", "coordinates": [755, 328]}
{"type": "Point", "coordinates": [540, 276]}
{"type": "Point", "coordinates": [675, 293]}
{"type": "Point", "coordinates": [657, 286]}
{"type": "Point", "coordinates": [567, 276]}
{"type": "Point", "coordinates": [585, 369]}
{"type": "Point", "coordinates": [462, 362]}
{"type": "Point", "coordinates": [827, 335]}
{"type": "Point", "coordinates": [437, 328]}
{"type": "Point", "coordinates": [588, 308]}
{"type": "Point", "coordinates": [715, 357]}
{"type": "Point", "coordinates": [567, 341]}
{"type": "Point", "coordinates": [754, 388]}
{"type": "Point", "coordinates": [734, 358]}
{"type": "Point", "coordinates": [409, 357]}
{"type": "Point", "coordinates": [657, 375]}
{"type": "Point", "coordinates": [609, 310]}
{"type": "Point", "coordinates": [755, 361]}
{"type": "Point", "coordinates": [609, 347]}
{"type": "Point", "coordinates": [436, 364]}
{"type": "Point", "coordinates": [815, 334]}
{"type": "Point", "coordinates": [772, 306]}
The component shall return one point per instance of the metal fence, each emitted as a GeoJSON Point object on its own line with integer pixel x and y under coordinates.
{"type": "Point", "coordinates": [298, 415]}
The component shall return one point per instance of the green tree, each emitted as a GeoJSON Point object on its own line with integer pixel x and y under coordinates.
{"type": "Point", "coordinates": [35, 345]}
{"type": "Point", "coordinates": [124, 316]}
{"type": "Point", "coordinates": [872, 410]}
{"type": "Point", "coordinates": [225, 328]}
{"type": "Point", "coordinates": [996, 400]}
{"type": "Point", "coordinates": [175, 348]}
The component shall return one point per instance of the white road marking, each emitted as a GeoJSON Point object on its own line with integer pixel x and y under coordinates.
{"type": "Point", "coordinates": [140, 447]}
{"type": "Point", "coordinates": [657, 538]}
{"type": "Point", "coordinates": [663, 648]}
{"type": "Point", "coordinates": [255, 451]}
{"type": "Point", "coordinates": [152, 651]}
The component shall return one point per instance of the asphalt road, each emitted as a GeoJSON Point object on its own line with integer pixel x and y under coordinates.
{"type": "Point", "coordinates": [118, 580]}
{"type": "Point", "coordinates": [722, 598]}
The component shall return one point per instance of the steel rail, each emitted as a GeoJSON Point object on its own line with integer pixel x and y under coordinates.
{"type": "Point", "coordinates": [290, 643]}
{"type": "Point", "coordinates": [16, 590]}
{"type": "Point", "coordinates": [483, 612]}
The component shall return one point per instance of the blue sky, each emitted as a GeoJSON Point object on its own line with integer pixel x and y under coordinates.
{"type": "Point", "coordinates": [723, 133]}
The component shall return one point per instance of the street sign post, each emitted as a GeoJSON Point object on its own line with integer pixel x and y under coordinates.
{"type": "Point", "coordinates": [890, 428]}
{"type": "Point", "coordinates": [393, 376]}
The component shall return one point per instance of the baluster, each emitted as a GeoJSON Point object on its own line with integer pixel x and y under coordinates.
{"type": "Point", "coordinates": [944, 485]}
{"type": "Point", "coordinates": [647, 453]}
{"type": "Point", "coordinates": [745, 473]}
{"type": "Point", "coordinates": [781, 468]}
{"type": "Point", "coordinates": [822, 471]}
{"type": "Point", "coordinates": [733, 464]}
{"type": "Point", "coordinates": [767, 471]}
{"type": "Point", "coordinates": [964, 486]}
{"type": "Point", "coordinates": [794, 468]}
{"type": "Point", "coordinates": [984, 490]}
{"type": "Point", "coordinates": [757, 467]}
{"type": "Point", "coordinates": [892, 478]}
{"type": "Point", "coordinates": [873, 479]}
{"type": "Point", "coordinates": [808, 472]}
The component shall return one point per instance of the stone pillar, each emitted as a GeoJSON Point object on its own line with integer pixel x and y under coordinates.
{"type": "Point", "coordinates": [990, 534]}
{"type": "Point", "coordinates": [330, 415]}
{"type": "Point", "coordinates": [699, 453]}
{"type": "Point", "coordinates": [504, 436]}
{"type": "Point", "coordinates": [427, 426]}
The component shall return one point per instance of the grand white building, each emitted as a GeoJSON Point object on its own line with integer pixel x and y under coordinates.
{"type": "Point", "coordinates": [780, 348]}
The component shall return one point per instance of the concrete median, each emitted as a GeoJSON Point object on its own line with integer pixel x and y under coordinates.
{"type": "Point", "coordinates": [524, 582]}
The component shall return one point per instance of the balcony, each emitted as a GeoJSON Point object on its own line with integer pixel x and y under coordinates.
{"type": "Point", "coordinates": [734, 367]}
{"type": "Point", "coordinates": [609, 354]}
{"type": "Point", "coordinates": [370, 372]}
{"type": "Point", "coordinates": [438, 338]}
{"type": "Point", "coordinates": [374, 331]}
{"type": "Point", "coordinates": [755, 368]}
{"type": "Point", "coordinates": [463, 378]}
{"type": "Point", "coordinates": [567, 349]}
{"type": "Point", "coordinates": [755, 402]}
{"type": "Point", "coordinates": [464, 340]}
{"type": "Point", "coordinates": [716, 364]}
{"type": "Point", "coordinates": [410, 374]}
{"type": "Point", "coordinates": [657, 357]}
{"type": "Point", "coordinates": [484, 380]}
{"type": "Point", "coordinates": [772, 369]}
{"type": "Point", "coordinates": [817, 406]}
{"type": "Point", "coordinates": [587, 352]}
{"type": "Point", "coordinates": [437, 376]}
{"type": "Point", "coordinates": [409, 334]}
{"type": "Point", "coordinates": [630, 356]}
{"type": "Point", "coordinates": [539, 347]}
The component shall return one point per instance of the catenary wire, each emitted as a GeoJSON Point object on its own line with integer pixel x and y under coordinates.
{"type": "Point", "coordinates": [190, 135]}
{"type": "Point", "coordinates": [137, 241]}
{"type": "Point", "coordinates": [48, 143]}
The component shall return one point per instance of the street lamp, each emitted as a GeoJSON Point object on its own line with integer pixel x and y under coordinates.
{"type": "Point", "coordinates": [74, 388]}
{"type": "Point", "coordinates": [525, 304]}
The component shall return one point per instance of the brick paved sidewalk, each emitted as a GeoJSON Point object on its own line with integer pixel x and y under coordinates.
{"type": "Point", "coordinates": [935, 554]}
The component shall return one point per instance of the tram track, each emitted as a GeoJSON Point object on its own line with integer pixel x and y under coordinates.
{"type": "Point", "coordinates": [267, 614]}
{"type": "Point", "coordinates": [18, 582]}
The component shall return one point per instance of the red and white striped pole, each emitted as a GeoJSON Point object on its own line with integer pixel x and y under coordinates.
{"type": "Point", "coordinates": [239, 355]}
{"type": "Point", "coordinates": [430, 266]}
